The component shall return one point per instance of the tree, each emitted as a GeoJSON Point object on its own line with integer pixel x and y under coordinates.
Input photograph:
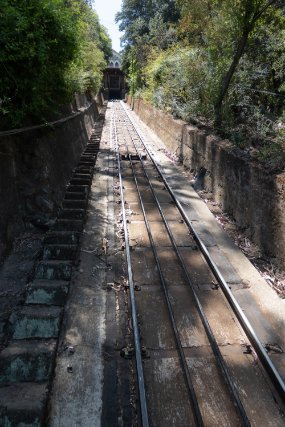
{"type": "Point", "coordinates": [146, 24]}
{"type": "Point", "coordinates": [219, 62]}
{"type": "Point", "coordinates": [48, 50]}
{"type": "Point", "coordinates": [251, 12]}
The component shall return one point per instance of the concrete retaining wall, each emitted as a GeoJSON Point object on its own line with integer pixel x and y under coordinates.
{"type": "Point", "coordinates": [169, 130]}
{"type": "Point", "coordinates": [253, 196]}
{"type": "Point", "coordinates": [35, 166]}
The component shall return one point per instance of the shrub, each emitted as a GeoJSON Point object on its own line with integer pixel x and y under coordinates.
{"type": "Point", "coordinates": [47, 51]}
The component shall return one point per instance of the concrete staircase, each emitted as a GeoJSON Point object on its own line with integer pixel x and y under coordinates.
{"type": "Point", "coordinates": [27, 363]}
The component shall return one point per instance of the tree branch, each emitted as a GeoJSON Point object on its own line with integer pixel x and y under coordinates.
{"type": "Point", "coordinates": [258, 14]}
{"type": "Point", "coordinates": [238, 54]}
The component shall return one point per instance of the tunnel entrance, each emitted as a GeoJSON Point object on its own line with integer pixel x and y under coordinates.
{"type": "Point", "coordinates": [114, 85]}
{"type": "Point", "coordinates": [115, 94]}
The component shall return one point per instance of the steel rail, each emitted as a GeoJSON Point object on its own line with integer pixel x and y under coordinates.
{"type": "Point", "coordinates": [215, 348]}
{"type": "Point", "coordinates": [139, 367]}
{"type": "Point", "coordinates": [193, 398]}
{"type": "Point", "coordinates": [265, 360]}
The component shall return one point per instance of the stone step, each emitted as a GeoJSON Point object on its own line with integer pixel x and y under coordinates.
{"type": "Point", "coordinates": [68, 225]}
{"type": "Point", "coordinates": [75, 204]}
{"type": "Point", "coordinates": [48, 292]}
{"type": "Point", "coordinates": [27, 360]}
{"type": "Point", "coordinates": [62, 237]}
{"type": "Point", "coordinates": [54, 270]}
{"type": "Point", "coordinates": [23, 405]}
{"type": "Point", "coordinates": [78, 188]}
{"type": "Point", "coordinates": [91, 152]}
{"type": "Point", "coordinates": [75, 196]}
{"type": "Point", "coordinates": [72, 213]}
{"type": "Point", "coordinates": [89, 163]}
{"type": "Point", "coordinates": [84, 169]}
{"type": "Point", "coordinates": [35, 321]}
{"type": "Point", "coordinates": [80, 181]}
{"type": "Point", "coordinates": [59, 252]}
{"type": "Point", "coordinates": [81, 175]}
{"type": "Point", "coordinates": [90, 157]}
{"type": "Point", "coordinates": [84, 154]}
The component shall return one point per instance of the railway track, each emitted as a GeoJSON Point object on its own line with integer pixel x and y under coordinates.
{"type": "Point", "coordinates": [127, 320]}
{"type": "Point", "coordinates": [185, 333]}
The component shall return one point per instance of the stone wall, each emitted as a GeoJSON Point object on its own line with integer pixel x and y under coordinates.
{"type": "Point", "coordinates": [169, 130]}
{"type": "Point", "coordinates": [243, 187]}
{"type": "Point", "coordinates": [35, 166]}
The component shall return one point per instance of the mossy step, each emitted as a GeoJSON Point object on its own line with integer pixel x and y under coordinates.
{"type": "Point", "coordinates": [75, 204]}
{"type": "Point", "coordinates": [22, 405]}
{"type": "Point", "coordinates": [65, 224]}
{"type": "Point", "coordinates": [27, 361]}
{"type": "Point", "coordinates": [35, 321]}
{"type": "Point", "coordinates": [86, 163]}
{"type": "Point", "coordinates": [80, 181]}
{"type": "Point", "coordinates": [59, 252]}
{"type": "Point", "coordinates": [63, 236]}
{"type": "Point", "coordinates": [48, 292]}
{"type": "Point", "coordinates": [81, 175]}
{"type": "Point", "coordinates": [69, 195]}
{"type": "Point", "coordinates": [72, 214]}
{"type": "Point", "coordinates": [78, 188]}
{"type": "Point", "coordinates": [54, 270]}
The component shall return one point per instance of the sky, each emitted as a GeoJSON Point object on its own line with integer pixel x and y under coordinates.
{"type": "Point", "coordinates": [106, 10]}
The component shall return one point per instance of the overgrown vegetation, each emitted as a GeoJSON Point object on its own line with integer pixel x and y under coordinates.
{"type": "Point", "coordinates": [49, 49]}
{"type": "Point", "coordinates": [217, 62]}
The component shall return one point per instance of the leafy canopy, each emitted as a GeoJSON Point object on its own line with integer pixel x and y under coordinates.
{"type": "Point", "coordinates": [219, 62]}
{"type": "Point", "coordinates": [48, 50]}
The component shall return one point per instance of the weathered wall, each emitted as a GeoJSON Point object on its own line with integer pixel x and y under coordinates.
{"type": "Point", "coordinates": [35, 166]}
{"type": "Point", "coordinates": [244, 188]}
{"type": "Point", "coordinates": [169, 130]}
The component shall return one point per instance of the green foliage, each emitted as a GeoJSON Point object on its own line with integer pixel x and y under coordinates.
{"type": "Point", "coordinates": [94, 49]}
{"type": "Point", "coordinates": [213, 59]}
{"type": "Point", "coordinates": [146, 24]}
{"type": "Point", "coordinates": [178, 82]}
{"type": "Point", "coordinates": [48, 50]}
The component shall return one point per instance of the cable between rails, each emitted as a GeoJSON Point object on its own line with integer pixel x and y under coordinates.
{"type": "Point", "coordinates": [139, 368]}
{"type": "Point", "coordinates": [194, 401]}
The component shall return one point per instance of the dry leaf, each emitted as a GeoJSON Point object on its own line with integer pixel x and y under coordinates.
{"type": "Point", "coordinates": [105, 245]}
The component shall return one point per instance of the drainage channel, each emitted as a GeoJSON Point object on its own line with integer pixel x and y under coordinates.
{"type": "Point", "coordinates": [27, 363]}
{"type": "Point", "coordinates": [144, 187]}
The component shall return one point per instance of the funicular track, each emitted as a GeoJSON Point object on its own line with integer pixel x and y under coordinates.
{"type": "Point", "coordinates": [143, 185]}
{"type": "Point", "coordinates": [197, 359]}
